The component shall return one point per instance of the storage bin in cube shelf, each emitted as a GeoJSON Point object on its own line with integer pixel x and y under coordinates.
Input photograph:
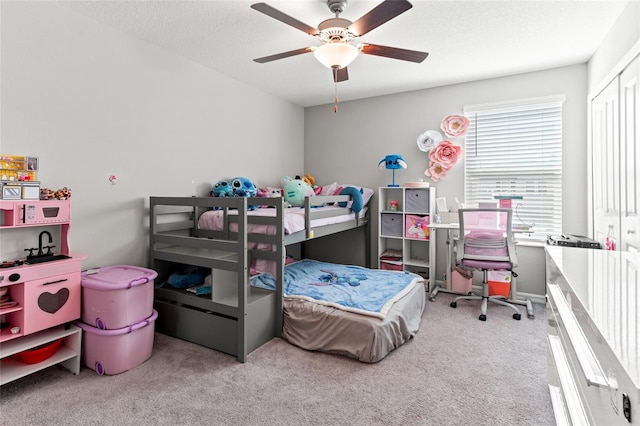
{"type": "Point", "coordinates": [117, 296]}
{"type": "Point", "coordinates": [390, 266]}
{"type": "Point", "coordinates": [417, 227]}
{"type": "Point", "coordinates": [391, 225]}
{"type": "Point", "coordinates": [116, 351]}
{"type": "Point", "coordinates": [417, 201]}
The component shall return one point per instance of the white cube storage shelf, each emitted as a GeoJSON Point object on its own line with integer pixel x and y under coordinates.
{"type": "Point", "coordinates": [404, 216]}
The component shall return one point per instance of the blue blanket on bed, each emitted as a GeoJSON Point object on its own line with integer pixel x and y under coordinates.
{"type": "Point", "coordinates": [353, 288]}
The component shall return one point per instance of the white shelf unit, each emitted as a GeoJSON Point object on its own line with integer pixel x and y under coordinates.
{"type": "Point", "coordinates": [67, 355]}
{"type": "Point", "coordinates": [405, 230]}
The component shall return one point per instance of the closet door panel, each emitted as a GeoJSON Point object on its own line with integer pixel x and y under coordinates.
{"type": "Point", "coordinates": [630, 157]}
{"type": "Point", "coordinates": [606, 158]}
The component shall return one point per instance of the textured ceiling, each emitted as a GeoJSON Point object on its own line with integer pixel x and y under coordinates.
{"type": "Point", "coordinates": [466, 40]}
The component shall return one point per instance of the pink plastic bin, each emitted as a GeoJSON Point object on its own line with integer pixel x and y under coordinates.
{"type": "Point", "coordinates": [117, 296]}
{"type": "Point", "coordinates": [115, 351]}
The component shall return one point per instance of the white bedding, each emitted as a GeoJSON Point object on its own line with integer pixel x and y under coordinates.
{"type": "Point", "coordinates": [293, 219]}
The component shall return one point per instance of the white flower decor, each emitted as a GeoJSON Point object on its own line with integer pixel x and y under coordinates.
{"type": "Point", "coordinates": [428, 140]}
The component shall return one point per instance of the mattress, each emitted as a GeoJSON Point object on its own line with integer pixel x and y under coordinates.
{"type": "Point", "coordinates": [317, 327]}
{"type": "Point", "coordinates": [293, 221]}
{"type": "Point", "coordinates": [326, 326]}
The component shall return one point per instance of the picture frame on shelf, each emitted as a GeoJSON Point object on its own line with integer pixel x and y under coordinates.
{"type": "Point", "coordinates": [32, 163]}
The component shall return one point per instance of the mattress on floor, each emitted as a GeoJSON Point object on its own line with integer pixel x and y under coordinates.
{"type": "Point", "coordinates": [318, 327]}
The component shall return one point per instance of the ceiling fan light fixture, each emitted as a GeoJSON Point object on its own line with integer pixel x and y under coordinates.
{"type": "Point", "coordinates": [335, 54]}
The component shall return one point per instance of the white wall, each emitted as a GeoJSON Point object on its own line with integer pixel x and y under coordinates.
{"type": "Point", "coordinates": [624, 34]}
{"type": "Point", "coordinates": [91, 101]}
{"type": "Point", "coordinates": [350, 144]}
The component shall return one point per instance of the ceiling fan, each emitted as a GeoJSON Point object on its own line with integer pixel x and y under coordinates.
{"type": "Point", "coordinates": [336, 34]}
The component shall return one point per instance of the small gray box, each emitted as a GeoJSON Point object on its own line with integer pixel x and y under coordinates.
{"type": "Point", "coordinates": [391, 225]}
{"type": "Point", "coordinates": [10, 190]}
{"type": "Point", "coordinates": [417, 201]}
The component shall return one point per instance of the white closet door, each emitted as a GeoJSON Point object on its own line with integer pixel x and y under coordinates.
{"type": "Point", "coordinates": [606, 164]}
{"type": "Point", "coordinates": [630, 157]}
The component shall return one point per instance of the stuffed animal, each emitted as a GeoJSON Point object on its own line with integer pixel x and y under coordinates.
{"type": "Point", "coordinates": [295, 191]}
{"type": "Point", "coordinates": [46, 193]}
{"type": "Point", "coordinates": [308, 178]}
{"type": "Point", "coordinates": [60, 194]}
{"type": "Point", "coordinates": [221, 189]}
{"type": "Point", "coordinates": [243, 187]}
{"type": "Point", "coordinates": [356, 196]}
{"type": "Point", "coordinates": [63, 194]}
{"type": "Point", "coordinates": [274, 192]}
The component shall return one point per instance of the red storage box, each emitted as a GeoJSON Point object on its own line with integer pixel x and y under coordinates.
{"type": "Point", "coordinates": [117, 296]}
{"type": "Point", "coordinates": [499, 283]}
{"type": "Point", "coordinates": [388, 266]}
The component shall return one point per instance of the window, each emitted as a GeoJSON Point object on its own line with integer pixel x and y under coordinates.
{"type": "Point", "coordinates": [516, 150]}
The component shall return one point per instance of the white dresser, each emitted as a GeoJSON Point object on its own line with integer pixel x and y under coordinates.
{"type": "Point", "coordinates": [594, 335]}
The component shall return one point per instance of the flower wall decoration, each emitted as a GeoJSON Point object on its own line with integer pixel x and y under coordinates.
{"type": "Point", "coordinates": [428, 140]}
{"type": "Point", "coordinates": [442, 158]}
{"type": "Point", "coordinates": [443, 154]}
{"type": "Point", "coordinates": [454, 125]}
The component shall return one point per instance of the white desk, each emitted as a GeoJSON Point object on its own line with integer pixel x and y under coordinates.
{"type": "Point", "coordinates": [593, 309]}
{"type": "Point", "coordinates": [450, 228]}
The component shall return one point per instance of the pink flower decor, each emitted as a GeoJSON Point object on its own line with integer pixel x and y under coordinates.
{"type": "Point", "coordinates": [446, 154]}
{"type": "Point", "coordinates": [435, 172]}
{"type": "Point", "coordinates": [454, 125]}
{"type": "Point", "coordinates": [442, 158]}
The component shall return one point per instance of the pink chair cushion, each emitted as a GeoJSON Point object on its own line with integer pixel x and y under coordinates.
{"type": "Point", "coordinates": [486, 251]}
{"type": "Point", "coordinates": [486, 264]}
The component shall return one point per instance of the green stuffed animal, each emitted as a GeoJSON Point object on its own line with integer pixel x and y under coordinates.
{"type": "Point", "coordinates": [295, 191]}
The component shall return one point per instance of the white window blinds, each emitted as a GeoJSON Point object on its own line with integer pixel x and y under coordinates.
{"type": "Point", "coordinates": [516, 150]}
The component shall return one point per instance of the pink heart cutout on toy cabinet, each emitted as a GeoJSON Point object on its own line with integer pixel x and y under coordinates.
{"type": "Point", "coordinates": [51, 303]}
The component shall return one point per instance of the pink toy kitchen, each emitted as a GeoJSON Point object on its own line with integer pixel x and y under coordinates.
{"type": "Point", "coordinates": [40, 293]}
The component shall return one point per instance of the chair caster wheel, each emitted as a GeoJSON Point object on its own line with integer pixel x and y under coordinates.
{"type": "Point", "coordinates": [482, 317]}
{"type": "Point", "coordinates": [531, 316]}
{"type": "Point", "coordinates": [453, 304]}
{"type": "Point", "coordinates": [432, 299]}
{"type": "Point", "coordinates": [516, 317]}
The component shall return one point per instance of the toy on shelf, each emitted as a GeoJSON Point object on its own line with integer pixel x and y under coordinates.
{"type": "Point", "coordinates": [18, 168]}
{"type": "Point", "coordinates": [60, 194]}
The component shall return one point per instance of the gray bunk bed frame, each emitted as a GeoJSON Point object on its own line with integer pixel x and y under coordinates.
{"type": "Point", "coordinates": [236, 318]}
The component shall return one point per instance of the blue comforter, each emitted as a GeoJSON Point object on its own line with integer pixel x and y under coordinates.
{"type": "Point", "coordinates": [352, 288]}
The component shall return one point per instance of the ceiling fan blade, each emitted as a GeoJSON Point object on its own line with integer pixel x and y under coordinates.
{"type": "Point", "coordinates": [283, 17]}
{"type": "Point", "coordinates": [393, 52]}
{"type": "Point", "coordinates": [380, 14]}
{"type": "Point", "coordinates": [340, 74]}
{"type": "Point", "coordinates": [283, 55]}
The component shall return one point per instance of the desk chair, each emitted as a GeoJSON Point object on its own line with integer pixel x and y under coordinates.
{"type": "Point", "coordinates": [486, 243]}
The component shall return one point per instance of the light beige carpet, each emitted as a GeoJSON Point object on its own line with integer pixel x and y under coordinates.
{"type": "Point", "coordinates": [457, 371]}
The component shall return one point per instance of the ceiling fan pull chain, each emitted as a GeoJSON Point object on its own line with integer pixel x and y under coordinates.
{"type": "Point", "coordinates": [335, 106]}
